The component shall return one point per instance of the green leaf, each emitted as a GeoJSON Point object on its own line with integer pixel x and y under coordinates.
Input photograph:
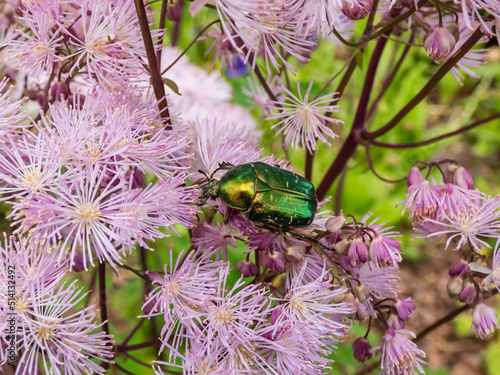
{"type": "Point", "coordinates": [172, 85]}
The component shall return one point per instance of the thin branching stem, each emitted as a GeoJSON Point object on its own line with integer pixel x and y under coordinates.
{"type": "Point", "coordinates": [438, 138]}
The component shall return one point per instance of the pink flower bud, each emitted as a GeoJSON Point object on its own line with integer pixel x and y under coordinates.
{"type": "Point", "coordinates": [395, 322]}
{"type": "Point", "coordinates": [358, 251]}
{"type": "Point", "coordinates": [174, 11]}
{"type": "Point", "coordinates": [247, 268]}
{"type": "Point", "coordinates": [459, 268]}
{"type": "Point", "coordinates": [343, 246]}
{"type": "Point", "coordinates": [295, 253]}
{"type": "Point", "coordinates": [454, 287]}
{"type": "Point", "coordinates": [137, 178]}
{"type": "Point", "coordinates": [414, 177]}
{"type": "Point", "coordinates": [468, 293]}
{"type": "Point", "coordinates": [361, 348]}
{"type": "Point", "coordinates": [463, 178]}
{"type": "Point", "coordinates": [334, 224]}
{"type": "Point", "coordinates": [361, 292]}
{"type": "Point", "coordinates": [76, 264]}
{"type": "Point", "coordinates": [356, 9]}
{"type": "Point", "coordinates": [59, 90]}
{"type": "Point", "coordinates": [361, 312]}
{"type": "Point", "coordinates": [439, 43]}
{"type": "Point", "coordinates": [405, 308]}
{"type": "Point", "coordinates": [275, 261]}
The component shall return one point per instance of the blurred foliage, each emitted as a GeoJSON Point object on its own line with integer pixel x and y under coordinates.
{"type": "Point", "coordinates": [449, 107]}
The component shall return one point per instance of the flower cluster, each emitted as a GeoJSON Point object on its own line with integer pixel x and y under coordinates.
{"type": "Point", "coordinates": [43, 323]}
{"type": "Point", "coordinates": [469, 219]}
{"type": "Point", "coordinates": [244, 327]}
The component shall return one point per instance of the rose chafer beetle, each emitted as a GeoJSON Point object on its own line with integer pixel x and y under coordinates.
{"type": "Point", "coordinates": [269, 196]}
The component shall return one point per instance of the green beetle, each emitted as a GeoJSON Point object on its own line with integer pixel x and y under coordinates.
{"type": "Point", "coordinates": [269, 196]}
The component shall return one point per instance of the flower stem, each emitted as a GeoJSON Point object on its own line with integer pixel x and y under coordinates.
{"type": "Point", "coordinates": [130, 348]}
{"type": "Point", "coordinates": [190, 45]}
{"type": "Point", "coordinates": [438, 138]}
{"type": "Point", "coordinates": [348, 148]}
{"type": "Point", "coordinates": [388, 80]}
{"type": "Point", "coordinates": [445, 68]}
{"type": "Point", "coordinates": [176, 32]}
{"type": "Point", "coordinates": [102, 303]}
{"type": "Point", "coordinates": [447, 319]}
{"type": "Point", "coordinates": [156, 80]}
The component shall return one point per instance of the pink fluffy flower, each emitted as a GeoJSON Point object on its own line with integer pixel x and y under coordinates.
{"type": "Point", "coordinates": [480, 221]}
{"type": "Point", "coordinates": [180, 293]}
{"type": "Point", "coordinates": [399, 355]}
{"type": "Point", "coordinates": [301, 121]}
{"type": "Point", "coordinates": [37, 53]}
{"type": "Point", "coordinates": [311, 304]}
{"type": "Point", "coordinates": [484, 320]}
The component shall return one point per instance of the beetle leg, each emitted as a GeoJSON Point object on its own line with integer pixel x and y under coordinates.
{"type": "Point", "coordinates": [227, 215]}
{"type": "Point", "coordinates": [202, 203]}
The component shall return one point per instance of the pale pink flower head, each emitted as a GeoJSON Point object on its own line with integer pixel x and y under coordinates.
{"type": "Point", "coordinates": [216, 143]}
{"type": "Point", "coordinates": [399, 355]}
{"type": "Point", "coordinates": [35, 54]}
{"type": "Point", "coordinates": [484, 320]}
{"type": "Point", "coordinates": [182, 292]}
{"type": "Point", "coordinates": [301, 121]}
{"type": "Point", "coordinates": [12, 117]}
{"type": "Point", "coordinates": [481, 220]}
{"type": "Point", "coordinates": [231, 315]}
{"type": "Point", "coordinates": [311, 303]}
{"type": "Point", "coordinates": [422, 198]}
{"type": "Point", "coordinates": [68, 340]}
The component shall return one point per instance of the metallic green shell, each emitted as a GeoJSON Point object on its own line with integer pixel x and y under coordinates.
{"type": "Point", "coordinates": [269, 195]}
{"type": "Point", "coordinates": [237, 187]}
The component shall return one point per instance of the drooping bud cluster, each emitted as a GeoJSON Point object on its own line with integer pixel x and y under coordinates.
{"type": "Point", "coordinates": [470, 218]}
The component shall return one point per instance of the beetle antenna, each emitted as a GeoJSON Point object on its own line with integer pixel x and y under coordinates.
{"type": "Point", "coordinates": [205, 174]}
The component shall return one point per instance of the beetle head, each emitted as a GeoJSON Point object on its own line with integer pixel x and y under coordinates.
{"type": "Point", "coordinates": [210, 189]}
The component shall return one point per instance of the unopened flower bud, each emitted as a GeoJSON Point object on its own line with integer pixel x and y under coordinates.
{"type": "Point", "coordinates": [356, 9]}
{"type": "Point", "coordinates": [343, 246]}
{"type": "Point", "coordinates": [295, 253]}
{"type": "Point", "coordinates": [137, 178]}
{"type": "Point", "coordinates": [361, 292]}
{"type": "Point", "coordinates": [395, 322]}
{"type": "Point", "coordinates": [439, 43]}
{"type": "Point", "coordinates": [463, 178]}
{"type": "Point", "coordinates": [334, 224]}
{"type": "Point", "coordinates": [149, 305]}
{"type": "Point", "coordinates": [468, 293]}
{"type": "Point", "coordinates": [358, 251]}
{"type": "Point", "coordinates": [405, 308]}
{"type": "Point", "coordinates": [247, 268]}
{"type": "Point", "coordinates": [174, 11]}
{"type": "Point", "coordinates": [459, 268]}
{"type": "Point", "coordinates": [338, 298]}
{"type": "Point", "coordinates": [454, 287]}
{"type": "Point", "coordinates": [361, 312]}
{"type": "Point", "coordinates": [77, 264]}
{"type": "Point", "coordinates": [59, 90]}
{"type": "Point", "coordinates": [275, 261]}
{"type": "Point", "coordinates": [414, 177]}
{"type": "Point", "coordinates": [361, 348]}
